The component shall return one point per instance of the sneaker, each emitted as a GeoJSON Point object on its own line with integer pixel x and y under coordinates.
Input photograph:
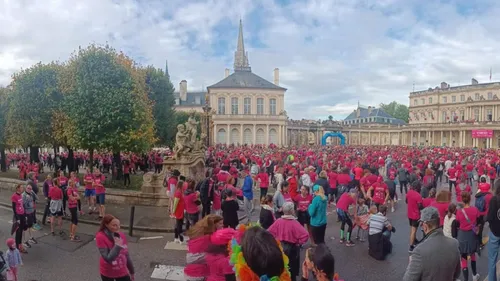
{"type": "Point", "coordinates": [37, 227]}
{"type": "Point", "coordinates": [349, 243]}
{"type": "Point", "coordinates": [22, 249]}
{"type": "Point", "coordinates": [392, 209]}
{"type": "Point", "coordinates": [357, 238]}
{"type": "Point", "coordinates": [475, 277]}
{"type": "Point", "coordinates": [76, 239]}
{"type": "Point", "coordinates": [33, 241]}
{"type": "Point", "coordinates": [27, 244]}
{"type": "Point", "coordinates": [177, 240]}
{"type": "Point", "coordinates": [61, 233]}
{"type": "Point", "coordinates": [341, 241]}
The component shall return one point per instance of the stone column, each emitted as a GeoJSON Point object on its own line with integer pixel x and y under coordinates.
{"type": "Point", "coordinates": [359, 138]}
{"type": "Point", "coordinates": [441, 143]}
{"type": "Point", "coordinates": [254, 134]}
{"type": "Point", "coordinates": [369, 138]}
{"type": "Point", "coordinates": [349, 139]}
{"type": "Point", "coordinates": [214, 133]}
{"type": "Point", "coordinates": [228, 134]}
{"type": "Point", "coordinates": [267, 135]}
{"type": "Point", "coordinates": [379, 140]}
{"type": "Point", "coordinates": [241, 134]}
{"type": "Point", "coordinates": [459, 138]}
{"type": "Point", "coordinates": [280, 136]}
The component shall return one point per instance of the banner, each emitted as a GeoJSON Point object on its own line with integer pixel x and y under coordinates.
{"type": "Point", "coordinates": [482, 134]}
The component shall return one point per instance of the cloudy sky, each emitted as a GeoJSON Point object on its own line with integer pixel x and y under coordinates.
{"type": "Point", "coordinates": [331, 53]}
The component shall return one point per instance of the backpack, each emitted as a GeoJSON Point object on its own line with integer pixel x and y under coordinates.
{"type": "Point", "coordinates": [481, 203]}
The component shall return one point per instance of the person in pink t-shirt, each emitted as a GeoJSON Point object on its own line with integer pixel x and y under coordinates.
{"type": "Point", "coordinates": [414, 203]}
{"type": "Point", "coordinates": [73, 197]}
{"type": "Point", "coordinates": [217, 256]}
{"type": "Point", "coordinates": [88, 179]}
{"type": "Point", "coordinates": [263, 179]}
{"type": "Point", "coordinates": [100, 191]}
{"type": "Point", "coordinates": [115, 263]}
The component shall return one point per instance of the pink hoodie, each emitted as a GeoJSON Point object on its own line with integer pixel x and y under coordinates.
{"type": "Point", "coordinates": [196, 265]}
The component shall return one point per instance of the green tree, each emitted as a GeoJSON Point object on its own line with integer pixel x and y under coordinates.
{"type": "Point", "coordinates": [161, 93]}
{"type": "Point", "coordinates": [34, 96]}
{"type": "Point", "coordinates": [106, 100]}
{"type": "Point", "coordinates": [4, 96]}
{"type": "Point", "coordinates": [330, 117]}
{"type": "Point", "coordinates": [396, 110]}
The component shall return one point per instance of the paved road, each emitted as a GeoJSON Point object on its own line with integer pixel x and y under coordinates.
{"type": "Point", "coordinates": [58, 260]}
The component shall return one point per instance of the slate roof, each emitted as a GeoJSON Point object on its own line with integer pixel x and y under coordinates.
{"type": "Point", "coordinates": [191, 99]}
{"type": "Point", "coordinates": [244, 79]}
{"type": "Point", "coordinates": [375, 112]}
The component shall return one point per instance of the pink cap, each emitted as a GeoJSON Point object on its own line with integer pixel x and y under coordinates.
{"type": "Point", "coordinates": [10, 242]}
{"type": "Point", "coordinates": [222, 236]}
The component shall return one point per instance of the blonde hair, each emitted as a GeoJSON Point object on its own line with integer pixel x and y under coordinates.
{"type": "Point", "coordinates": [205, 226]}
{"type": "Point", "coordinates": [323, 175]}
{"type": "Point", "coordinates": [321, 192]}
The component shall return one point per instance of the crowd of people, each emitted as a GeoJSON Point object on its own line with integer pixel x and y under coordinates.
{"type": "Point", "coordinates": [448, 193]}
{"type": "Point", "coordinates": [361, 185]}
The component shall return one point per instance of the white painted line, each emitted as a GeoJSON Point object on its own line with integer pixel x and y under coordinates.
{"type": "Point", "coordinates": [151, 238]}
{"type": "Point", "coordinates": [175, 246]}
{"type": "Point", "coordinates": [168, 272]}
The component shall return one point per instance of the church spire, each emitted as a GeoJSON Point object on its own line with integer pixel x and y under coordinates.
{"type": "Point", "coordinates": [240, 56]}
{"type": "Point", "coordinates": [166, 69]}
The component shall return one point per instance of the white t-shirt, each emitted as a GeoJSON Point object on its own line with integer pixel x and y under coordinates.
{"type": "Point", "coordinates": [447, 225]}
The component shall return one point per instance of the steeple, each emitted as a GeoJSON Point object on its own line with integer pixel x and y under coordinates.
{"type": "Point", "coordinates": [240, 56]}
{"type": "Point", "coordinates": [166, 69]}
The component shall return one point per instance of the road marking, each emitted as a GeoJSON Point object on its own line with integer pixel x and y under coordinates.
{"type": "Point", "coordinates": [175, 246]}
{"type": "Point", "coordinates": [168, 272]}
{"type": "Point", "coordinates": [151, 238]}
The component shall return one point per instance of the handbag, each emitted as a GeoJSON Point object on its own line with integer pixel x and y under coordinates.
{"type": "Point", "coordinates": [474, 227]}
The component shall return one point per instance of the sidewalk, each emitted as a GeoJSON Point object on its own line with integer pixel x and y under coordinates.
{"type": "Point", "coordinates": [146, 218]}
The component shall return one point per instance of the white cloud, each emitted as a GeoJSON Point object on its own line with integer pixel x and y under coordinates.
{"type": "Point", "coordinates": [331, 54]}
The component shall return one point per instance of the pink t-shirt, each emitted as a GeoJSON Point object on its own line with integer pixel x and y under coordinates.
{"type": "Point", "coordinates": [18, 199]}
{"type": "Point", "coordinates": [99, 184]}
{"type": "Point", "coordinates": [413, 199]}
{"type": "Point", "coordinates": [63, 180]}
{"type": "Point", "coordinates": [88, 179]}
{"type": "Point", "coordinates": [379, 192]}
{"type": "Point", "coordinates": [190, 205]}
{"type": "Point", "coordinates": [344, 202]}
{"type": "Point", "coordinates": [118, 267]}
{"type": "Point", "coordinates": [219, 266]}
{"type": "Point", "coordinates": [303, 202]}
{"type": "Point", "coordinates": [72, 191]}
{"type": "Point", "coordinates": [472, 213]}
{"type": "Point", "coordinates": [216, 203]}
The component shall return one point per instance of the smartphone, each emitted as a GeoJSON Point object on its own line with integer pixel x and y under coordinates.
{"type": "Point", "coordinates": [116, 235]}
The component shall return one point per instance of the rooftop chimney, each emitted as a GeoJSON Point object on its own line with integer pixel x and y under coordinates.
{"type": "Point", "coordinates": [183, 90]}
{"type": "Point", "coordinates": [444, 85]}
{"type": "Point", "coordinates": [474, 81]}
{"type": "Point", "coordinates": [369, 110]}
{"type": "Point", "coordinates": [277, 76]}
{"type": "Point", "coordinates": [226, 73]}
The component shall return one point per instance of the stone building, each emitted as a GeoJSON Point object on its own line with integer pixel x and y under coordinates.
{"type": "Point", "coordinates": [466, 115]}
{"type": "Point", "coordinates": [247, 109]}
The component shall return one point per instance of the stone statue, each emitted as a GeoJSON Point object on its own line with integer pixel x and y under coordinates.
{"type": "Point", "coordinates": [182, 141]}
{"type": "Point", "coordinates": [192, 128]}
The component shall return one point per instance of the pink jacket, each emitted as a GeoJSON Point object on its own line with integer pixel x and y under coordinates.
{"type": "Point", "coordinates": [288, 229]}
{"type": "Point", "coordinates": [196, 265]}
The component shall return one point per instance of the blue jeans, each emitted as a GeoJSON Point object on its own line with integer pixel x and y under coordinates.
{"type": "Point", "coordinates": [493, 246]}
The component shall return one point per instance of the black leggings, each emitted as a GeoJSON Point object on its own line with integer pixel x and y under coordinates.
{"type": "Point", "coordinates": [20, 229]}
{"type": "Point", "coordinates": [347, 220]}
{"type": "Point", "coordinates": [124, 278]}
{"type": "Point", "coordinates": [178, 229]}
{"type": "Point", "coordinates": [126, 178]}
{"type": "Point", "coordinates": [454, 184]}
{"type": "Point", "coordinates": [318, 233]}
{"type": "Point", "coordinates": [401, 185]}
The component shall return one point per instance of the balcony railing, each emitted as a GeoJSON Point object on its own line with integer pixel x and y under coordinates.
{"type": "Point", "coordinates": [457, 123]}
{"type": "Point", "coordinates": [249, 116]}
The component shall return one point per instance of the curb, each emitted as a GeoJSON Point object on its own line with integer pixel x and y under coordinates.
{"type": "Point", "coordinates": [93, 222]}
{"type": "Point", "coordinates": [124, 226]}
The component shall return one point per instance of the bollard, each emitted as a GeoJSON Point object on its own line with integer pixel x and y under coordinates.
{"type": "Point", "coordinates": [131, 223]}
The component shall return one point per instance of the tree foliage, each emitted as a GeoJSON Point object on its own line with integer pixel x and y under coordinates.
{"type": "Point", "coordinates": [34, 96]}
{"type": "Point", "coordinates": [396, 110]}
{"type": "Point", "coordinates": [106, 99]}
{"type": "Point", "coordinates": [161, 93]}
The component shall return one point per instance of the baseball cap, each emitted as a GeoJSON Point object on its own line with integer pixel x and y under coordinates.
{"type": "Point", "coordinates": [429, 214]}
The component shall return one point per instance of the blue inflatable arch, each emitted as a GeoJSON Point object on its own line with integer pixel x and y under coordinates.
{"type": "Point", "coordinates": [337, 135]}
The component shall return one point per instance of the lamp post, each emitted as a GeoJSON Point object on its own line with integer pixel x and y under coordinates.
{"type": "Point", "coordinates": [207, 114]}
